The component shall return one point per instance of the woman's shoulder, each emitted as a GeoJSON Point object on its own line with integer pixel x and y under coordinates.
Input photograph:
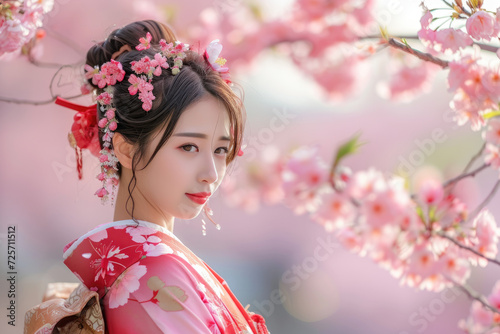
{"type": "Point", "coordinates": [134, 229]}
{"type": "Point", "coordinates": [98, 257]}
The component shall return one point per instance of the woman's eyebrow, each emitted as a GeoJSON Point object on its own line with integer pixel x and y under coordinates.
{"type": "Point", "coordinates": [198, 135]}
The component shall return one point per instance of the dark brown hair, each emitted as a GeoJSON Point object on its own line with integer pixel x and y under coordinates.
{"type": "Point", "coordinates": [174, 93]}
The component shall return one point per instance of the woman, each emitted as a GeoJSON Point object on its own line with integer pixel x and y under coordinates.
{"type": "Point", "coordinates": [169, 125]}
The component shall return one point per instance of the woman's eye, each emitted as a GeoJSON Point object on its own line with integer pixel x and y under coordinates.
{"type": "Point", "coordinates": [222, 150]}
{"type": "Point", "coordinates": [189, 148]}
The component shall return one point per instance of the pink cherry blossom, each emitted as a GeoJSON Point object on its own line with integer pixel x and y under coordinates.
{"type": "Point", "coordinates": [497, 23]}
{"type": "Point", "coordinates": [303, 175]}
{"type": "Point", "coordinates": [147, 97]}
{"type": "Point", "coordinates": [20, 28]}
{"type": "Point", "coordinates": [351, 240]}
{"type": "Point", "coordinates": [379, 209]}
{"type": "Point", "coordinates": [315, 9]}
{"type": "Point", "coordinates": [364, 13]}
{"type": "Point", "coordinates": [90, 71]}
{"type": "Point", "coordinates": [467, 111]}
{"type": "Point", "coordinates": [335, 211]}
{"type": "Point", "coordinates": [101, 192]}
{"type": "Point", "coordinates": [341, 79]}
{"type": "Point", "coordinates": [410, 78]}
{"type": "Point", "coordinates": [430, 192]}
{"type": "Point", "coordinates": [134, 84]}
{"type": "Point", "coordinates": [482, 320]}
{"type": "Point", "coordinates": [444, 39]}
{"type": "Point", "coordinates": [452, 39]}
{"type": "Point", "coordinates": [494, 297]}
{"type": "Point", "coordinates": [479, 320]}
{"type": "Point", "coordinates": [259, 180]}
{"type": "Point", "coordinates": [487, 234]}
{"type": "Point", "coordinates": [364, 183]}
{"type": "Point", "coordinates": [159, 62]}
{"type": "Point", "coordinates": [111, 72]}
{"type": "Point", "coordinates": [125, 284]}
{"type": "Point", "coordinates": [427, 37]}
{"type": "Point", "coordinates": [451, 210]}
{"type": "Point", "coordinates": [104, 98]}
{"type": "Point", "coordinates": [145, 43]}
{"type": "Point", "coordinates": [142, 66]}
{"type": "Point", "coordinates": [481, 25]}
{"type": "Point", "coordinates": [454, 266]}
{"type": "Point", "coordinates": [492, 155]}
{"type": "Point", "coordinates": [422, 266]}
{"type": "Point", "coordinates": [426, 19]}
{"type": "Point", "coordinates": [491, 82]}
{"type": "Point", "coordinates": [492, 134]}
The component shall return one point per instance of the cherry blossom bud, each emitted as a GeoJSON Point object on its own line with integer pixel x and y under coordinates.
{"type": "Point", "coordinates": [431, 192]}
{"type": "Point", "coordinates": [112, 126]}
{"type": "Point", "coordinates": [103, 122]}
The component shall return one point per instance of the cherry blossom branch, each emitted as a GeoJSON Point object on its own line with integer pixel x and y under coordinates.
{"type": "Point", "coordinates": [65, 40]}
{"type": "Point", "coordinates": [46, 64]}
{"type": "Point", "coordinates": [482, 46]}
{"type": "Point", "coordinates": [474, 295]}
{"type": "Point", "coordinates": [472, 250]}
{"type": "Point", "coordinates": [465, 175]}
{"type": "Point", "coordinates": [419, 54]}
{"type": "Point", "coordinates": [474, 158]}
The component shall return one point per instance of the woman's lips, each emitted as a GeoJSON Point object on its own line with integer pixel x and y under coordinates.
{"type": "Point", "coordinates": [199, 198]}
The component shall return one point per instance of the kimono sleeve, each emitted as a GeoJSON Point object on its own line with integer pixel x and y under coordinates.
{"type": "Point", "coordinates": [159, 295]}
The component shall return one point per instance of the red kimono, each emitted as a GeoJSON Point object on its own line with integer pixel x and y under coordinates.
{"type": "Point", "coordinates": [148, 281]}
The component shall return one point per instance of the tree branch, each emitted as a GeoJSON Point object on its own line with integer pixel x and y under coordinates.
{"type": "Point", "coordinates": [474, 295]}
{"type": "Point", "coordinates": [482, 46]}
{"type": "Point", "coordinates": [419, 54]}
{"type": "Point", "coordinates": [474, 158]}
{"type": "Point", "coordinates": [472, 250]}
{"type": "Point", "coordinates": [463, 176]}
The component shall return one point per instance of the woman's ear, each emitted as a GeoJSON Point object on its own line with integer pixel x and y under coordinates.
{"type": "Point", "coordinates": [123, 150]}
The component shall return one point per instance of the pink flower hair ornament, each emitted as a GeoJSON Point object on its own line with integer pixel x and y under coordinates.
{"type": "Point", "coordinates": [85, 128]}
{"type": "Point", "coordinates": [217, 63]}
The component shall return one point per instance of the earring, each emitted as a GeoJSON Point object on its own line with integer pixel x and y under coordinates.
{"type": "Point", "coordinates": [208, 213]}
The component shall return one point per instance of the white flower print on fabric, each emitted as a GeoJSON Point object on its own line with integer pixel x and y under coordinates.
{"type": "Point", "coordinates": [105, 265]}
{"type": "Point", "coordinates": [125, 284]}
{"type": "Point", "coordinates": [157, 250]}
{"type": "Point", "coordinates": [98, 236]}
{"type": "Point", "coordinates": [218, 320]}
{"type": "Point", "coordinates": [142, 234]}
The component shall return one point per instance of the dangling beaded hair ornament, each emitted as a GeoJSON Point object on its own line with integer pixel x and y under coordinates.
{"type": "Point", "coordinates": [85, 128]}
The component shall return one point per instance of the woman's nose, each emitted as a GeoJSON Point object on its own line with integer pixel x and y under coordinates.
{"type": "Point", "coordinates": [208, 170]}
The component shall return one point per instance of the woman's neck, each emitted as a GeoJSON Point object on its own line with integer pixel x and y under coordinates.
{"type": "Point", "coordinates": [142, 209]}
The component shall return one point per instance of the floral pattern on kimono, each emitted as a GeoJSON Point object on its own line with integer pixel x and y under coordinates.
{"type": "Point", "coordinates": [150, 282]}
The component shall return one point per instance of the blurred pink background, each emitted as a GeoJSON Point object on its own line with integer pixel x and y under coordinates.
{"type": "Point", "coordinates": [40, 193]}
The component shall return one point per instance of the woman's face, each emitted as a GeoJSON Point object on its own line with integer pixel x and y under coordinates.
{"type": "Point", "coordinates": [190, 166]}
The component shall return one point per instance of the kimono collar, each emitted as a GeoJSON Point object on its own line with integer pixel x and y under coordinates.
{"type": "Point", "coordinates": [98, 257]}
